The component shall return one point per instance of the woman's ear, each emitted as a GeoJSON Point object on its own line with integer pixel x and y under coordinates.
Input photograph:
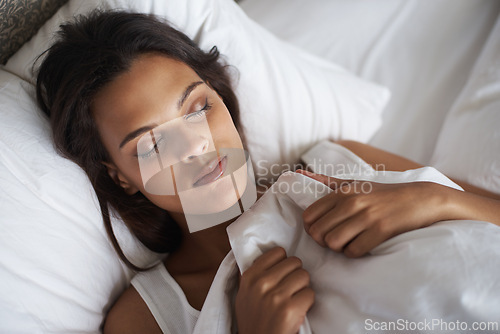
{"type": "Point", "coordinates": [119, 178]}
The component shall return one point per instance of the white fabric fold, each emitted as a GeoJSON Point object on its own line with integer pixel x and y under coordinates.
{"type": "Point", "coordinates": [216, 315]}
{"type": "Point", "coordinates": [432, 276]}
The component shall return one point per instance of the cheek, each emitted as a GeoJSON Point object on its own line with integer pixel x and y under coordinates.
{"type": "Point", "coordinates": [159, 190]}
{"type": "Point", "coordinates": [223, 129]}
{"type": "Point", "coordinates": [132, 173]}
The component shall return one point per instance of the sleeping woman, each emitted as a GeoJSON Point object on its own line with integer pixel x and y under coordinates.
{"type": "Point", "coordinates": [121, 87]}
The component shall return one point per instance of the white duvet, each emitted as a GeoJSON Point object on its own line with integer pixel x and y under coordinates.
{"type": "Point", "coordinates": [442, 279]}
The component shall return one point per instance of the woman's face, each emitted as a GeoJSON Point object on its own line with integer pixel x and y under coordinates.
{"type": "Point", "coordinates": [171, 137]}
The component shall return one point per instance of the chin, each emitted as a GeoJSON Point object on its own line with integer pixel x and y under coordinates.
{"type": "Point", "coordinates": [217, 203]}
{"type": "Point", "coordinates": [217, 197]}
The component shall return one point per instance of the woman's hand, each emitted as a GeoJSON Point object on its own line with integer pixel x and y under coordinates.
{"type": "Point", "coordinates": [274, 295]}
{"type": "Point", "coordinates": [359, 215]}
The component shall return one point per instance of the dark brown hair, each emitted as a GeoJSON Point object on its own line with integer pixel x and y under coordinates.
{"type": "Point", "coordinates": [90, 52]}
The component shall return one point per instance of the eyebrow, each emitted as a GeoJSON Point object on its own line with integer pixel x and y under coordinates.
{"type": "Point", "coordinates": [186, 93]}
{"type": "Point", "coordinates": [180, 103]}
{"type": "Point", "coordinates": [137, 133]}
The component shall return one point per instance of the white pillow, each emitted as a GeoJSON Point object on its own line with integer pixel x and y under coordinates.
{"type": "Point", "coordinates": [378, 41]}
{"type": "Point", "coordinates": [57, 267]}
{"type": "Point", "coordinates": [468, 147]}
{"type": "Point", "coordinates": [289, 99]}
{"type": "Point", "coordinates": [58, 270]}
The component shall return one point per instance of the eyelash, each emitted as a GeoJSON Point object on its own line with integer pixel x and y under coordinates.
{"type": "Point", "coordinates": [197, 113]}
{"type": "Point", "coordinates": [152, 151]}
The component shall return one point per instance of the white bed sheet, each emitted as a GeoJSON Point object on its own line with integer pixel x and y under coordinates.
{"type": "Point", "coordinates": [379, 42]}
{"type": "Point", "coordinates": [433, 277]}
{"type": "Point", "coordinates": [422, 51]}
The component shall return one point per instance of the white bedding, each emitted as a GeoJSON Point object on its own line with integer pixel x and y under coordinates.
{"type": "Point", "coordinates": [58, 270]}
{"type": "Point", "coordinates": [423, 51]}
{"type": "Point", "coordinates": [436, 276]}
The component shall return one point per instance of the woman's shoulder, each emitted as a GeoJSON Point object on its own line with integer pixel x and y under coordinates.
{"type": "Point", "coordinates": [130, 314]}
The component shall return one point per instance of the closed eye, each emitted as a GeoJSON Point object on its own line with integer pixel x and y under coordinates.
{"type": "Point", "coordinates": [153, 150]}
{"type": "Point", "coordinates": [199, 114]}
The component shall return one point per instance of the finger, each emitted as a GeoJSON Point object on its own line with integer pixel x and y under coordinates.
{"type": "Point", "coordinates": [269, 259]}
{"type": "Point", "coordinates": [319, 208]}
{"type": "Point", "coordinates": [283, 269]}
{"type": "Point", "coordinates": [294, 282]}
{"type": "Point", "coordinates": [365, 242]}
{"type": "Point", "coordinates": [344, 233]}
{"type": "Point", "coordinates": [299, 304]}
{"type": "Point", "coordinates": [303, 300]}
{"type": "Point", "coordinates": [341, 204]}
{"type": "Point", "coordinates": [322, 226]}
{"type": "Point", "coordinates": [323, 205]}
{"type": "Point", "coordinates": [263, 281]}
{"type": "Point", "coordinates": [343, 210]}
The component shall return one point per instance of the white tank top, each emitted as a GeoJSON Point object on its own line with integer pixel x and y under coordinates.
{"type": "Point", "coordinates": [166, 300]}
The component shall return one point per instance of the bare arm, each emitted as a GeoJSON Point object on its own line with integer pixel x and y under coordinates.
{"type": "Point", "coordinates": [273, 297]}
{"type": "Point", "coordinates": [130, 315]}
{"type": "Point", "coordinates": [354, 221]}
{"type": "Point", "coordinates": [475, 203]}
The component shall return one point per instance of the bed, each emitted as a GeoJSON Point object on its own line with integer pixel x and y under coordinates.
{"type": "Point", "coordinates": [420, 79]}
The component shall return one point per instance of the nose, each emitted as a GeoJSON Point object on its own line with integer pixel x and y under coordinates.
{"type": "Point", "coordinates": [186, 141]}
{"type": "Point", "coordinates": [193, 142]}
{"type": "Point", "coordinates": [194, 147]}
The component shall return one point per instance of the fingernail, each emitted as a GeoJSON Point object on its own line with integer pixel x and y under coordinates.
{"type": "Point", "coordinates": [303, 171]}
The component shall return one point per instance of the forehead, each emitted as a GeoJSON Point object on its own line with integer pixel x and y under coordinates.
{"type": "Point", "coordinates": [147, 92]}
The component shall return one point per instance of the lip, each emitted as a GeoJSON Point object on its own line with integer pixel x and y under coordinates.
{"type": "Point", "coordinates": [211, 171]}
